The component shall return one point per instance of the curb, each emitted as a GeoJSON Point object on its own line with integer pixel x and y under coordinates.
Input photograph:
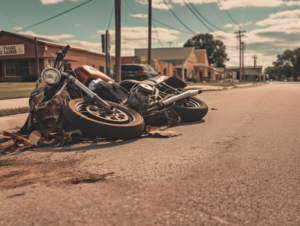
{"type": "Point", "coordinates": [12, 121]}
{"type": "Point", "coordinates": [220, 88]}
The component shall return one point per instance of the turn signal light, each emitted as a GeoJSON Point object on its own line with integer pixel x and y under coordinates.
{"type": "Point", "coordinates": [142, 73]}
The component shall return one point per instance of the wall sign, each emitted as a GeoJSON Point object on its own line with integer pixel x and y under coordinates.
{"type": "Point", "coordinates": [12, 50]}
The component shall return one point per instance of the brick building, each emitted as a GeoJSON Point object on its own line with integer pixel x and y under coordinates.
{"type": "Point", "coordinates": [17, 56]}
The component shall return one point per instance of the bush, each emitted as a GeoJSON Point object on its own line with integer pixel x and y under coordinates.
{"type": "Point", "coordinates": [194, 80]}
{"type": "Point", "coordinates": [29, 78]}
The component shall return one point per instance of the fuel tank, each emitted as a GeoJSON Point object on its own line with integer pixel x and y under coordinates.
{"type": "Point", "coordinates": [86, 74]}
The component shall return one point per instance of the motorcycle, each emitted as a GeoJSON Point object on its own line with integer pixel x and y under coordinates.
{"type": "Point", "coordinates": [62, 101]}
{"type": "Point", "coordinates": [87, 100]}
{"type": "Point", "coordinates": [188, 107]}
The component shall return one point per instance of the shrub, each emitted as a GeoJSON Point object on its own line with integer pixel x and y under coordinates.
{"type": "Point", "coordinates": [29, 78]}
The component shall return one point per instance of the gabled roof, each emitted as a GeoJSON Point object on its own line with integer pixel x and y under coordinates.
{"type": "Point", "coordinates": [170, 55]}
{"type": "Point", "coordinates": [50, 41]}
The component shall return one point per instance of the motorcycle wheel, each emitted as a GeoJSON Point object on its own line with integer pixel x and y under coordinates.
{"type": "Point", "coordinates": [192, 111]}
{"type": "Point", "coordinates": [124, 123]}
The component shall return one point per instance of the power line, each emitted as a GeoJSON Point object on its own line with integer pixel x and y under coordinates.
{"type": "Point", "coordinates": [204, 17]}
{"type": "Point", "coordinates": [112, 11]}
{"type": "Point", "coordinates": [157, 33]}
{"type": "Point", "coordinates": [171, 27]}
{"type": "Point", "coordinates": [128, 6]}
{"type": "Point", "coordinates": [198, 17]}
{"type": "Point", "coordinates": [228, 13]}
{"type": "Point", "coordinates": [216, 12]}
{"type": "Point", "coordinates": [56, 15]}
{"type": "Point", "coordinates": [157, 21]}
{"type": "Point", "coordinates": [178, 18]}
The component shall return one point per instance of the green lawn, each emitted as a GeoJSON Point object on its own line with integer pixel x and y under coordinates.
{"type": "Point", "coordinates": [16, 89]}
{"type": "Point", "coordinates": [13, 111]}
{"type": "Point", "coordinates": [223, 84]}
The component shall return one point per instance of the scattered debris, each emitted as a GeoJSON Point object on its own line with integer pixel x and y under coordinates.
{"type": "Point", "coordinates": [16, 195]}
{"type": "Point", "coordinates": [162, 132]}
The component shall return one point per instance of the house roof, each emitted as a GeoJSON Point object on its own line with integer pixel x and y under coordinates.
{"type": "Point", "coordinates": [249, 70]}
{"type": "Point", "coordinates": [170, 55]}
{"type": "Point", "coordinates": [51, 41]}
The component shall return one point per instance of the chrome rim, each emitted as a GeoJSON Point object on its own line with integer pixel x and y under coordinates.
{"type": "Point", "coordinates": [190, 103]}
{"type": "Point", "coordinates": [92, 111]}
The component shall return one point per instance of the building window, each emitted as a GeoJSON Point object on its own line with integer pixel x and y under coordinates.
{"type": "Point", "coordinates": [24, 67]}
{"type": "Point", "coordinates": [209, 74]}
{"type": "Point", "coordinates": [200, 74]}
{"type": "Point", "coordinates": [165, 71]}
{"type": "Point", "coordinates": [10, 69]}
{"type": "Point", "coordinates": [101, 68]}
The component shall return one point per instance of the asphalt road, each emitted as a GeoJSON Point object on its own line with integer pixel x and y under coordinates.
{"type": "Point", "coordinates": [239, 166]}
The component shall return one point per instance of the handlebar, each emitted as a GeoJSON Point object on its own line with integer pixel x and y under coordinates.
{"type": "Point", "coordinates": [65, 50]}
{"type": "Point", "coordinates": [60, 55]}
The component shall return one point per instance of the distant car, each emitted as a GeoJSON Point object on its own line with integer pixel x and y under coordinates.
{"type": "Point", "coordinates": [138, 71]}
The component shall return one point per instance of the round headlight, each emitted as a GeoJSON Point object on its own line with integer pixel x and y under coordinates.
{"type": "Point", "coordinates": [51, 76]}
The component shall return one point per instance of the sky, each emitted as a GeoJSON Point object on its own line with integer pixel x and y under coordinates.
{"type": "Point", "coordinates": [272, 26]}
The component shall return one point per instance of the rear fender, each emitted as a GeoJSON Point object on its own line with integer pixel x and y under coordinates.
{"type": "Point", "coordinates": [175, 82]}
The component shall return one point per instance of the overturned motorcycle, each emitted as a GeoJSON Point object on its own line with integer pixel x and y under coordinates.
{"type": "Point", "coordinates": [88, 102]}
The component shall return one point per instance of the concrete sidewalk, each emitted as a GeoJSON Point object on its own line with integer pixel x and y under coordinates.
{"type": "Point", "coordinates": [12, 121]}
{"type": "Point", "coordinates": [216, 88]}
{"type": "Point", "coordinates": [14, 103]}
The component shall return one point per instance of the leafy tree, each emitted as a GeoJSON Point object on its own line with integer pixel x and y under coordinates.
{"type": "Point", "coordinates": [215, 49]}
{"type": "Point", "coordinates": [288, 64]}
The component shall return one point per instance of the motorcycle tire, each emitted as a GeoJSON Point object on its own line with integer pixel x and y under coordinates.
{"type": "Point", "coordinates": [95, 126]}
{"type": "Point", "coordinates": [195, 112]}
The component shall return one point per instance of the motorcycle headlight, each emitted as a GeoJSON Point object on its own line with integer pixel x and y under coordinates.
{"type": "Point", "coordinates": [51, 76]}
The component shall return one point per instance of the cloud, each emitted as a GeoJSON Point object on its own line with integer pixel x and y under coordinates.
{"type": "Point", "coordinates": [77, 25]}
{"type": "Point", "coordinates": [237, 26]}
{"type": "Point", "coordinates": [157, 4]}
{"type": "Point", "coordinates": [140, 15]}
{"type": "Point", "coordinates": [54, 37]}
{"type": "Point", "coordinates": [17, 28]}
{"type": "Point", "coordinates": [229, 4]}
{"type": "Point", "coordinates": [137, 37]}
{"type": "Point", "coordinates": [51, 2]}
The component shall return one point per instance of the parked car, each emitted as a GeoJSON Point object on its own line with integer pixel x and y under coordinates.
{"type": "Point", "coordinates": [138, 72]}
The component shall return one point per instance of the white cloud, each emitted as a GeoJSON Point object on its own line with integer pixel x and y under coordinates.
{"type": "Point", "coordinates": [225, 4]}
{"type": "Point", "coordinates": [156, 4]}
{"type": "Point", "coordinates": [140, 15]}
{"type": "Point", "coordinates": [49, 2]}
{"type": "Point", "coordinates": [237, 26]}
{"type": "Point", "coordinates": [137, 37]}
{"type": "Point", "coordinates": [17, 28]}
{"type": "Point", "coordinates": [77, 25]}
{"type": "Point", "coordinates": [54, 37]}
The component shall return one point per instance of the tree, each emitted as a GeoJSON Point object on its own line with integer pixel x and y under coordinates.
{"type": "Point", "coordinates": [288, 64]}
{"type": "Point", "coordinates": [215, 49]}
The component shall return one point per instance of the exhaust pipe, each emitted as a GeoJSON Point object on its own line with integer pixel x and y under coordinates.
{"type": "Point", "coordinates": [181, 96]}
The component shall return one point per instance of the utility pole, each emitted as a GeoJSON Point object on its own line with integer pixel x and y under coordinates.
{"type": "Point", "coordinates": [118, 40]}
{"type": "Point", "coordinates": [239, 35]}
{"type": "Point", "coordinates": [37, 59]}
{"type": "Point", "coordinates": [255, 60]}
{"type": "Point", "coordinates": [105, 40]}
{"type": "Point", "coordinates": [107, 54]}
{"type": "Point", "coordinates": [149, 30]}
{"type": "Point", "coordinates": [243, 59]}
{"type": "Point", "coordinates": [170, 44]}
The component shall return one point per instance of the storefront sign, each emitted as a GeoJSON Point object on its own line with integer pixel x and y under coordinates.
{"type": "Point", "coordinates": [12, 50]}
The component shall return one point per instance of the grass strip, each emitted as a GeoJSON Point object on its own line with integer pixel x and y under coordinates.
{"type": "Point", "coordinates": [15, 90]}
{"type": "Point", "coordinates": [13, 111]}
